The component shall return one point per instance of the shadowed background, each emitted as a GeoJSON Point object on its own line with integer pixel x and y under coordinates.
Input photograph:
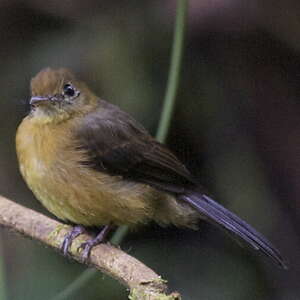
{"type": "Point", "coordinates": [236, 126]}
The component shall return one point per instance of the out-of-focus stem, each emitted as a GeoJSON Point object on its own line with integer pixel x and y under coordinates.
{"type": "Point", "coordinates": [174, 72]}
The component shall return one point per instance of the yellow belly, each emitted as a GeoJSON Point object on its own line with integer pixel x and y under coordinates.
{"type": "Point", "coordinates": [83, 196]}
{"type": "Point", "coordinates": [93, 199]}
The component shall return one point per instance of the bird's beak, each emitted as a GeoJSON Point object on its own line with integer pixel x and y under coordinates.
{"type": "Point", "coordinates": [38, 99]}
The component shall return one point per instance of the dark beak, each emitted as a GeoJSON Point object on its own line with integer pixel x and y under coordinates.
{"type": "Point", "coordinates": [37, 99]}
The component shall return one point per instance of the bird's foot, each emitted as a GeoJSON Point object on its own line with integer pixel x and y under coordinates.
{"type": "Point", "coordinates": [88, 245]}
{"type": "Point", "coordinates": [75, 232]}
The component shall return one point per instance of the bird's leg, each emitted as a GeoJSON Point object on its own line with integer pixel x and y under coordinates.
{"type": "Point", "coordinates": [88, 245]}
{"type": "Point", "coordinates": [75, 232]}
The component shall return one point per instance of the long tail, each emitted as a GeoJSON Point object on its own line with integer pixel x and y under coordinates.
{"type": "Point", "coordinates": [220, 216]}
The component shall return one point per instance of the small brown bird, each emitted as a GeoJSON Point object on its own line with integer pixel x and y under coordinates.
{"type": "Point", "coordinates": [92, 164]}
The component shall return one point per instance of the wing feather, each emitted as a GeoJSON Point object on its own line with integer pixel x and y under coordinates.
{"type": "Point", "coordinates": [118, 145]}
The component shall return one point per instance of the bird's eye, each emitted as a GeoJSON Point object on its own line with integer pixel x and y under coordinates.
{"type": "Point", "coordinates": [69, 90]}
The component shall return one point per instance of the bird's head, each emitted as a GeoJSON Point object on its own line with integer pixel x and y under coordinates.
{"type": "Point", "coordinates": [56, 94]}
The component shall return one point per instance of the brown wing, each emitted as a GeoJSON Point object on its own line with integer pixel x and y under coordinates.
{"type": "Point", "coordinates": [118, 145]}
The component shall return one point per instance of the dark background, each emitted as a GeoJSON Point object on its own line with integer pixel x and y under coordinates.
{"type": "Point", "coordinates": [236, 126]}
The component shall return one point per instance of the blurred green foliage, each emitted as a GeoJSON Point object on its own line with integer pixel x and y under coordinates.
{"type": "Point", "coordinates": [236, 126]}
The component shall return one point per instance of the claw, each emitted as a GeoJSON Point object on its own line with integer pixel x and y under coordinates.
{"type": "Point", "coordinates": [88, 245]}
{"type": "Point", "coordinates": [75, 232]}
{"type": "Point", "coordinates": [86, 249]}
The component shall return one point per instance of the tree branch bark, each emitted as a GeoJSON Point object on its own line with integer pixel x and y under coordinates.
{"type": "Point", "coordinates": [144, 283]}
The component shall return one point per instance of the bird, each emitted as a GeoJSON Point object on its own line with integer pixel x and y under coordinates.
{"type": "Point", "coordinates": [93, 165]}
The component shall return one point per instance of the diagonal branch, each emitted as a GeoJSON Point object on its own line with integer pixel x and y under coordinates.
{"type": "Point", "coordinates": [141, 280]}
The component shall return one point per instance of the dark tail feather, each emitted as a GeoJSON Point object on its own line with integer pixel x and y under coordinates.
{"type": "Point", "coordinates": [220, 216]}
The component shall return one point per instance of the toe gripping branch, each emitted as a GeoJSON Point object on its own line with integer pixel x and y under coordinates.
{"type": "Point", "coordinates": [89, 244]}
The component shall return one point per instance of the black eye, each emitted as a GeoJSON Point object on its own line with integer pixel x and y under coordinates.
{"type": "Point", "coordinates": [69, 90]}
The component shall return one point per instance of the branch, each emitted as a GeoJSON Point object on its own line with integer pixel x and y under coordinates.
{"type": "Point", "coordinates": [142, 281]}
